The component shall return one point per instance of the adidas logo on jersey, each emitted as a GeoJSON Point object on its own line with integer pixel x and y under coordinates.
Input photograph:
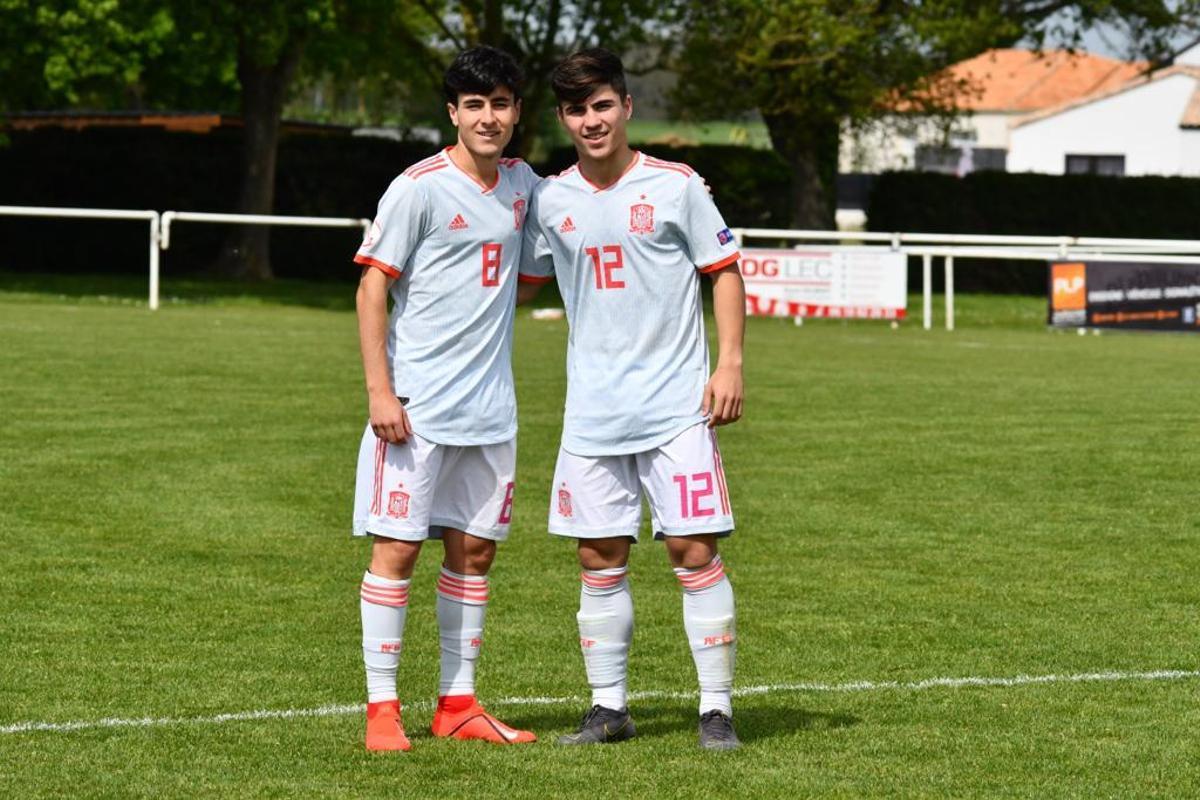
{"type": "Point", "coordinates": [458, 223]}
{"type": "Point", "coordinates": [567, 227]}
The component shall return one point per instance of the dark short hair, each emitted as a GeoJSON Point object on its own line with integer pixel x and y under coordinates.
{"type": "Point", "coordinates": [581, 74]}
{"type": "Point", "coordinates": [481, 70]}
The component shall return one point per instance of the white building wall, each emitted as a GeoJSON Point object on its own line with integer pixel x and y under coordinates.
{"type": "Point", "coordinates": [1141, 124]}
{"type": "Point", "coordinates": [991, 128]}
{"type": "Point", "coordinates": [892, 143]}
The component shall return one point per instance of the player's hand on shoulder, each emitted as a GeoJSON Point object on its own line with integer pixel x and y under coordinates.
{"type": "Point", "coordinates": [723, 396]}
{"type": "Point", "coordinates": [389, 420]}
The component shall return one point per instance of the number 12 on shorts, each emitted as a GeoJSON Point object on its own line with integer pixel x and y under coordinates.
{"type": "Point", "coordinates": [692, 492]}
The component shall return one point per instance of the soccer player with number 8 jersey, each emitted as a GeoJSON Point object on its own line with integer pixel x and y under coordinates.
{"type": "Point", "coordinates": [438, 456]}
{"type": "Point", "coordinates": [627, 237]}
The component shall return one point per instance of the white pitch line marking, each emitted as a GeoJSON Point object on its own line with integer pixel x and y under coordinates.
{"type": "Point", "coordinates": [854, 686]}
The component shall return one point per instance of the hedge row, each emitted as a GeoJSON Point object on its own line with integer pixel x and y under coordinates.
{"type": "Point", "coordinates": [338, 175]}
{"type": "Point", "coordinates": [319, 175]}
{"type": "Point", "coordinates": [1030, 204]}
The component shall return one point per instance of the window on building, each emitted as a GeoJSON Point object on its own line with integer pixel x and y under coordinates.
{"type": "Point", "coordinates": [1095, 165]}
{"type": "Point", "coordinates": [959, 160]}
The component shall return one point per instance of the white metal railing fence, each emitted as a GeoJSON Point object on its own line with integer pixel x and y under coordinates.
{"type": "Point", "coordinates": [170, 217]}
{"type": "Point", "coordinates": [950, 246]}
{"type": "Point", "coordinates": [102, 213]}
{"type": "Point", "coordinates": [927, 246]}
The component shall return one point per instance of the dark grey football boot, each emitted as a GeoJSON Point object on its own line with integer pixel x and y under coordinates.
{"type": "Point", "coordinates": [716, 731]}
{"type": "Point", "coordinates": [601, 726]}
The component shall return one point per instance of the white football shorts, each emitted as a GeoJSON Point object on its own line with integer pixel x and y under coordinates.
{"type": "Point", "coordinates": [595, 497]}
{"type": "Point", "coordinates": [413, 490]}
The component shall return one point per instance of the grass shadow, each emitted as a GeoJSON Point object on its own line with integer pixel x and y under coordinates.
{"type": "Point", "coordinates": [128, 290]}
{"type": "Point", "coordinates": [783, 717]}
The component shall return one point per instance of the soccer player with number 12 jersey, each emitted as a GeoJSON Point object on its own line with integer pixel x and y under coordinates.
{"type": "Point", "coordinates": [627, 237]}
{"type": "Point", "coordinates": [438, 456]}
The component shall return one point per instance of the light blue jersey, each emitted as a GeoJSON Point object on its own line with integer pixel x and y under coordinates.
{"type": "Point", "coordinates": [627, 258]}
{"type": "Point", "coordinates": [453, 246]}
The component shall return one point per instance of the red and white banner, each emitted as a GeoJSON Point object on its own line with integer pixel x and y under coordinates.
{"type": "Point", "coordinates": [833, 282]}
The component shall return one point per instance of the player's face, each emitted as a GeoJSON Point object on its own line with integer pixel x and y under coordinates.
{"type": "Point", "coordinates": [485, 122]}
{"type": "Point", "coordinates": [597, 125]}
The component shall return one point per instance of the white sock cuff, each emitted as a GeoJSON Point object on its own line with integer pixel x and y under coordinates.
{"type": "Point", "coordinates": [697, 580]}
{"type": "Point", "coordinates": [384, 591]}
{"type": "Point", "coordinates": [603, 581]}
{"type": "Point", "coordinates": [470, 590]}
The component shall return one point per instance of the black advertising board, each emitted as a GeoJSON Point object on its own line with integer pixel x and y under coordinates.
{"type": "Point", "coordinates": [1125, 295]}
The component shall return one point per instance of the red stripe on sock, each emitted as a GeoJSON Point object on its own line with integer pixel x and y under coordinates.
{"type": "Point", "coordinates": [601, 581]}
{"type": "Point", "coordinates": [383, 600]}
{"type": "Point", "coordinates": [390, 591]}
{"type": "Point", "coordinates": [704, 577]}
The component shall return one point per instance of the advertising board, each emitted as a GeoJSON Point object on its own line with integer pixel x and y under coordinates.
{"type": "Point", "coordinates": [832, 282]}
{"type": "Point", "coordinates": [1124, 294]}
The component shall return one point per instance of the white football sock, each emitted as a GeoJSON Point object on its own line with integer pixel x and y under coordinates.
{"type": "Point", "coordinates": [383, 604]}
{"type": "Point", "coordinates": [708, 618]}
{"type": "Point", "coordinates": [605, 631]}
{"type": "Point", "coordinates": [461, 605]}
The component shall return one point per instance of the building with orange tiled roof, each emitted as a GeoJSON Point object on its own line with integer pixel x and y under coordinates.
{"type": "Point", "coordinates": [1002, 86]}
{"type": "Point", "coordinates": [1146, 126]}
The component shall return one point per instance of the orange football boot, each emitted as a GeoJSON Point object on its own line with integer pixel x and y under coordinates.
{"type": "Point", "coordinates": [385, 731]}
{"type": "Point", "coordinates": [464, 718]}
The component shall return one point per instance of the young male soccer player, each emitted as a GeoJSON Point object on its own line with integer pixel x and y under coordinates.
{"type": "Point", "coordinates": [437, 458]}
{"type": "Point", "coordinates": [627, 236]}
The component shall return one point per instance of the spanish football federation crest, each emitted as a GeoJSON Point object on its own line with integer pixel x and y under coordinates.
{"type": "Point", "coordinates": [641, 218]}
{"type": "Point", "coordinates": [398, 504]}
{"type": "Point", "coordinates": [518, 213]}
{"type": "Point", "coordinates": [564, 501]}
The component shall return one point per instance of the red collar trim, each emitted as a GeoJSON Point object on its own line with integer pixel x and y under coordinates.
{"type": "Point", "coordinates": [633, 162]}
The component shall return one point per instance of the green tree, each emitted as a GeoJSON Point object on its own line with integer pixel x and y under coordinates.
{"type": "Point", "coordinates": [810, 66]}
{"type": "Point", "coordinates": [89, 53]}
{"type": "Point", "coordinates": [226, 54]}
{"type": "Point", "coordinates": [538, 33]}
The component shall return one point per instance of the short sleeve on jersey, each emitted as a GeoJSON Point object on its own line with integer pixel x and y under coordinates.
{"type": "Point", "coordinates": [397, 229]}
{"type": "Point", "coordinates": [708, 240]}
{"type": "Point", "coordinates": [537, 264]}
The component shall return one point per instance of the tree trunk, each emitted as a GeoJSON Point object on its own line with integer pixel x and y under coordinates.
{"type": "Point", "coordinates": [247, 250]}
{"type": "Point", "coordinates": [810, 149]}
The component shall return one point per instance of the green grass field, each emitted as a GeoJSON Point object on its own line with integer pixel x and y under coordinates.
{"type": "Point", "coordinates": [997, 502]}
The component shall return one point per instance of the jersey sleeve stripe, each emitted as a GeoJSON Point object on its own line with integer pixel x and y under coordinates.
{"type": "Point", "coordinates": [425, 170]}
{"type": "Point", "coordinates": [675, 165]}
{"type": "Point", "coordinates": [672, 169]}
{"type": "Point", "coordinates": [538, 279]}
{"type": "Point", "coordinates": [382, 266]}
{"type": "Point", "coordinates": [724, 262]}
{"type": "Point", "coordinates": [422, 164]}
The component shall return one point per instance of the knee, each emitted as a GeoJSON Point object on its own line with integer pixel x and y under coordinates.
{"type": "Point", "coordinates": [393, 559]}
{"type": "Point", "coordinates": [603, 553]}
{"type": "Point", "coordinates": [691, 552]}
{"type": "Point", "coordinates": [477, 556]}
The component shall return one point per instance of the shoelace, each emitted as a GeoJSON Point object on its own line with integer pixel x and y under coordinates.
{"type": "Point", "coordinates": [591, 714]}
{"type": "Point", "coordinates": [723, 726]}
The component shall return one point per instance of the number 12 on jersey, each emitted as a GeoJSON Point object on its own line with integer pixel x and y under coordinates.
{"type": "Point", "coordinates": [612, 261]}
{"type": "Point", "coordinates": [491, 264]}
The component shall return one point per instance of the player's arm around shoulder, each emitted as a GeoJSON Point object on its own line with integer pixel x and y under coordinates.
{"type": "Point", "coordinates": [387, 415]}
{"type": "Point", "coordinates": [535, 266]}
{"type": "Point", "coordinates": [725, 392]}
